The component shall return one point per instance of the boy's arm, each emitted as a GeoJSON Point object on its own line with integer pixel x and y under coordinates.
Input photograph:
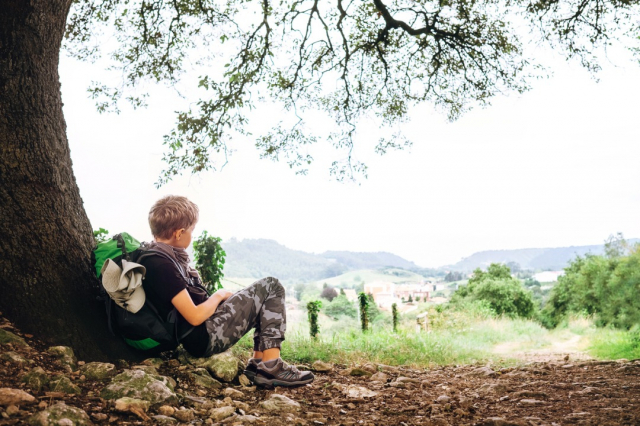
{"type": "Point", "coordinates": [197, 314]}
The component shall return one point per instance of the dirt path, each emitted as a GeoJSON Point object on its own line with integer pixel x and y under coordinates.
{"type": "Point", "coordinates": [560, 347]}
{"type": "Point", "coordinates": [588, 393]}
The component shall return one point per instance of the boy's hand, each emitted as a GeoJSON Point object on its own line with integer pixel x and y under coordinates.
{"type": "Point", "coordinates": [223, 294]}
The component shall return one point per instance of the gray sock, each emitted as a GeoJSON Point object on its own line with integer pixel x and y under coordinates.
{"type": "Point", "coordinates": [270, 364]}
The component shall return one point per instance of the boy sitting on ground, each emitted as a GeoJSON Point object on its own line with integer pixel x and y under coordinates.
{"type": "Point", "coordinates": [219, 320]}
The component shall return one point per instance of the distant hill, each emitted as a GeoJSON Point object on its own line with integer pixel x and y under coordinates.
{"type": "Point", "coordinates": [260, 258]}
{"type": "Point", "coordinates": [358, 260]}
{"type": "Point", "coordinates": [545, 259]}
{"type": "Point", "coordinates": [353, 279]}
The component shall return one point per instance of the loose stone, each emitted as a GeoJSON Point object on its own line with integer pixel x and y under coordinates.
{"type": "Point", "coordinates": [531, 402]}
{"type": "Point", "coordinates": [217, 414]}
{"type": "Point", "coordinates": [8, 337]}
{"type": "Point", "coordinates": [280, 403]}
{"type": "Point", "coordinates": [129, 404]}
{"type": "Point", "coordinates": [379, 377]}
{"type": "Point", "coordinates": [65, 357]}
{"type": "Point", "coordinates": [60, 414]}
{"type": "Point", "coordinates": [185, 415]}
{"type": "Point", "coordinates": [244, 380]}
{"type": "Point", "coordinates": [321, 366]}
{"type": "Point", "coordinates": [98, 370]}
{"type": "Point", "coordinates": [10, 396]}
{"type": "Point", "coordinates": [241, 405]}
{"type": "Point", "coordinates": [164, 420]}
{"type": "Point", "coordinates": [166, 410]}
{"type": "Point", "coordinates": [14, 358]}
{"type": "Point", "coordinates": [443, 399]}
{"type": "Point", "coordinates": [138, 384]}
{"type": "Point", "coordinates": [233, 393]}
{"type": "Point", "coordinates": [353, 391]}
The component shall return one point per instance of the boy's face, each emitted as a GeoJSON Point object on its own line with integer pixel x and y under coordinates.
{"type": "Point", "coordinates": [182, 237]}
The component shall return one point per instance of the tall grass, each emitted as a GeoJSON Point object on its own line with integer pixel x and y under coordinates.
{"type": "Point", "coordinates": [407, 347]}
{"type": "Point", "coordinates": [615, 344]}
{"type": "Point", "coordinates": [455, 338]}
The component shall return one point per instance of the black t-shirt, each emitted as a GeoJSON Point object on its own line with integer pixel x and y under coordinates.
{"type": "Point", "coordinates": [162, 282]}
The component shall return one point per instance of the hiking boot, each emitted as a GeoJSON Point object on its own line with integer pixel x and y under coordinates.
{"type": "Point", "coordinates": [252, 369]}
{"type": "Point", "coordinates": [278, 373]}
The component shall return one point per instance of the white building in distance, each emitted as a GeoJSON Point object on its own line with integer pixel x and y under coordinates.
{"type": "Point", "coordinates": [548, 276]}
{"type": "Point", "coordinates": [386, 293]}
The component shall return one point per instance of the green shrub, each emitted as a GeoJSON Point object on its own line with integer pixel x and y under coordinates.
{"type": "Point", "coordinates": [605, 287]}
{"type": "Point", "coordinates": [503, 294]}
{"type": "Point", "coordinates": [619, 301]}
{"type": "Point", "coordinates": [209, 258]}
{"type": "Point", "coordinates": [340, 306]}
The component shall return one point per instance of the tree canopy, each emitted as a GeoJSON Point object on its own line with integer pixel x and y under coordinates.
{"type": "Point", "coordinates": [329, 293]}
{"type": "Point", "coordinates": [350, 59]}
{"type": "Point", "coordinates": [503, 294]}
{"type": "Point", "coordinates": [605, 287]}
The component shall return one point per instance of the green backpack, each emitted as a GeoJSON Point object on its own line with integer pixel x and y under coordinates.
{"type": "Point", "coordinates": [145, 330]}
{"type": "Point", "coordinates": [111, 249]}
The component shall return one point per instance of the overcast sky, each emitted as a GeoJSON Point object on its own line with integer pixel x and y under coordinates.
{"type": "Point", "coordinates": [557, 166]}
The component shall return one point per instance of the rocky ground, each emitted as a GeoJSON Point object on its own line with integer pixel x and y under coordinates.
{"type": "Point", "coordinates": [48, 386]}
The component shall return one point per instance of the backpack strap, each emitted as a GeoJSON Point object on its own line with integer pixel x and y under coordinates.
{"type": "Point", "coordinates": [109, 306]}
{"type": "Point", "coordinates": [150, 252]}
{"type": "Point", "coordinates": [173, 316]}
{"type": "Point", "coordinates": [122, 246]}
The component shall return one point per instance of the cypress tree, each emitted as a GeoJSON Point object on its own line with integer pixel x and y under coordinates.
{"type": "Point", "coordinates": [313, 308]}
{"type": "Point", "coordinates": [364, 311]}
{"type": "Point", "coordinates": [394, 312]}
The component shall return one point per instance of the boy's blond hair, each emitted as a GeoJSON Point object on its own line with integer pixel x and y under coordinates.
{"type": "Point", "coordinates": [171, 213]}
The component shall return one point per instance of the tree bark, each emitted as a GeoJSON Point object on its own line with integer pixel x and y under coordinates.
{"type": "Point", "coordinates": [47, 287]}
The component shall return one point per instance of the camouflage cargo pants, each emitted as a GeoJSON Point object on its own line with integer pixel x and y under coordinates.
{"type": "Point", "coordinates": [259, 306]}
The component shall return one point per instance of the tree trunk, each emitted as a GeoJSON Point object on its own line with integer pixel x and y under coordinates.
{"type": "Point", "coordinates": [47, 287]}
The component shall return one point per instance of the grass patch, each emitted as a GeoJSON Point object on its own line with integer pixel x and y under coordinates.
{"type": "Point", "coordinates": [440, 347]}
{"type": "Point", "coordinates": [615, 344]}
{"type": "Point", "coordinates": [456, 338]}
{"type": "Point", "coordinates": [383, 347]}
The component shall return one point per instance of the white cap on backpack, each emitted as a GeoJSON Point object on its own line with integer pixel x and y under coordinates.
{"type": "Point", "coordinates": [124, 285]}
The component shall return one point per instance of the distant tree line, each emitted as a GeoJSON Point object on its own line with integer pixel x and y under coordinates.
{"type": "Point", "coordinates": [454, 276]}
{"type": "Point", "coordinates": [605, 287]}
